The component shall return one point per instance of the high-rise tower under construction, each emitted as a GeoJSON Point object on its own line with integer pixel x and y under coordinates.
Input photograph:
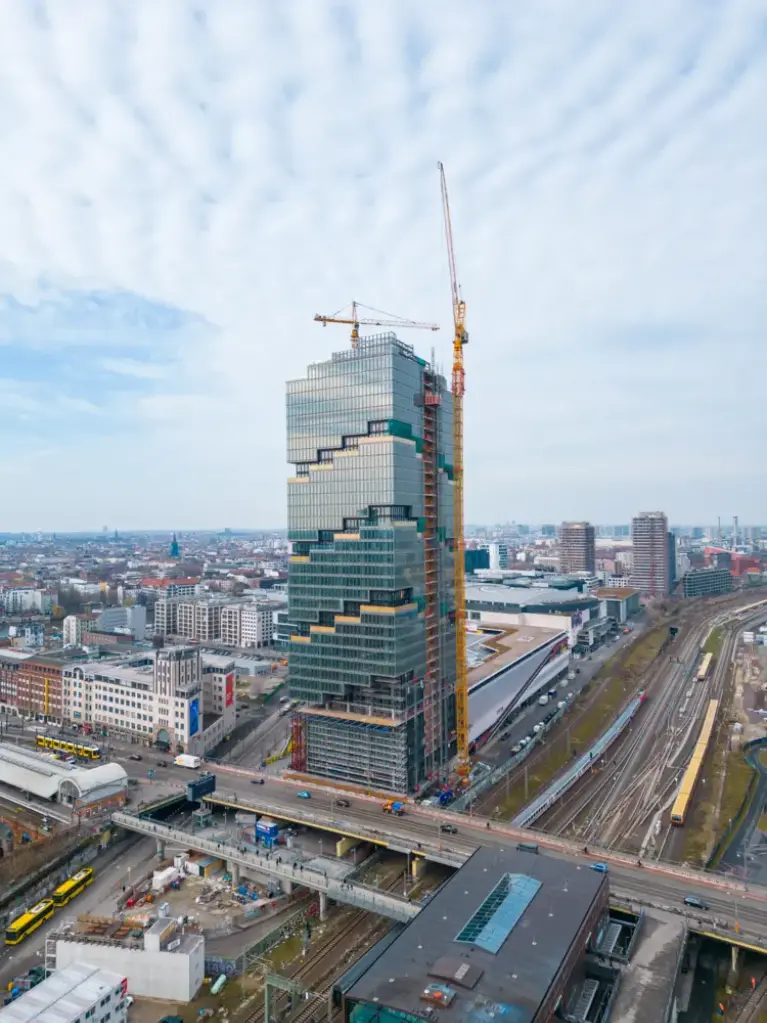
{"type": "Point", "coordinates": [371, 607]}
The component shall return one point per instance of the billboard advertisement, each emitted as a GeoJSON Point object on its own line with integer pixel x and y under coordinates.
{"type": "Point", "coordinates": [194, 716]}
{"type": "Point", "coordinates": [229, 689]}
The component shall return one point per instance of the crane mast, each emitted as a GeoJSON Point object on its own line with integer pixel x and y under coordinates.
{"type": "Point", "coordinates": [460, 338]}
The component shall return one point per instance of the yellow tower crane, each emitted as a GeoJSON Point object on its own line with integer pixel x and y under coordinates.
{"type": "Point", "coordinates": [460, 338]}
{"type": "Point", "coordinates": [380, 319]}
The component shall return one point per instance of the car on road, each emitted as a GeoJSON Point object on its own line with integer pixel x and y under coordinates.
{"type": "Point", "coordinates": [162, 763]}
{"type": "Point", "coordinates": [601, 867]}
{"type": "Point", "coordinates": [516, 749]}
{"type": "Point", "coordinates": [256, 781]}
{"type": "Point", "coordinates": [135, 756]}
{"type": "Point", "coordinates": [343, 803]}
{"type": "Point", "coordinates": [448, 829]}
{"type": "Point", "coordinates": [303, 794]}
{"type": "Point", "coordinates": [693, 900]}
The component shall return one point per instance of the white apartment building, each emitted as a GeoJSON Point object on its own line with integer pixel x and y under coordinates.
{"type": "Point", "coordinates": [77, 992]}
{"type": "Point", "coordinates": [72, 630]}
{"type": "Point", "coordinates": [247, 625]}
{"type": "Point", "coordinates": [175, 697]}
{"type": "Point", "coordinates": [20, 599]}
{"type": "Point", "coordinates": [166, 617]}
{"type": "Point", "coordinates": [191, 619]}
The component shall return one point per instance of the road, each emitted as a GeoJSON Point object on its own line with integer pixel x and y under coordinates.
{"type": "Point", "coordinates": [419, 832]}
{"type": "Point", "coordinates": [499, 749]}
{"type": "Point", "coordinates": [113, 868]}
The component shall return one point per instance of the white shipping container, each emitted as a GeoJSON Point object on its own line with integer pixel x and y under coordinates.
{"type": "Point", "coordinates": [162, 878]}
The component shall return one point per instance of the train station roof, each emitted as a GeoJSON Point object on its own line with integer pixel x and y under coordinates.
{"type": "Point", "coordinates": [492, 942]}
{"type": "Point", "coordinates": [47, 778]}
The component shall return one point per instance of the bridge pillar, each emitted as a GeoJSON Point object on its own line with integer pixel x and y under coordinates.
{"type": "Point", "coordinates": [234, 873]}
{"type": "Point", "coordinates": [160, 849]}
{"type": "Point", "coordinates": [735, 961]}
{"type": "Point", "coordinates": [323, 906]}
{"type": "Point", "coordinates": [287, 886]}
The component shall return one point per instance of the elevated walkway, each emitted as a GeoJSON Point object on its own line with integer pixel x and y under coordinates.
{"type": "Point", "coordinates": [362, 897]}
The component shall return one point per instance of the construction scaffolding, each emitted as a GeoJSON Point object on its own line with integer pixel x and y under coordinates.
{"type": "Point", "coordinates": [432, 696]}
{"type": "Point", "coordinates": [358, 752]}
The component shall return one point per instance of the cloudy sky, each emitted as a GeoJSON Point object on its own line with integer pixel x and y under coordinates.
{"type": "Point", "coordinates": [184, 185]}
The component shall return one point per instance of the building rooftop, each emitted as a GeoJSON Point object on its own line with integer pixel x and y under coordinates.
{"type": "Point", "coordinates": [615, 592]}
{"type": "Point", "coordinates": [492, 940]}
{"type": "Point", "coordinates": [525, 597]}
{"type": "Point", "coordinates": [48, 778]}
{"type": "Point", "coordinates": [498, 682]}
{"type": "Point", "coordinates": [66, 995]}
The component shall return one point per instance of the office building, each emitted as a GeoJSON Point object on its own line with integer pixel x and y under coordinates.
{"type": "Point", "coordinates": [476, 559]}
{"type": "Point", "coordinates": [577, 547]}
{"type": "Point", "coordinates": [79, 991]}
{"type": "Point", "coordinates": [497, 554]}
{"type": "Point", "coordinates": [707, 582]}
{"type": "Point", "coordinates": [371, 649]}
{"type": "Point", "coordinates": [176, 697]}
{"type": "Point", "coordinates": [131, 618]}
{"type": "Point", "coordinates": [650, 546]}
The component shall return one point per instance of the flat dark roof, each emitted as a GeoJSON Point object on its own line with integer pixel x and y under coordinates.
{"type": "Point", "coordinates": [517, 976]}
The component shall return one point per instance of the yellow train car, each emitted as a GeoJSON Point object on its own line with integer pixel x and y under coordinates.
{"type": "Point", "coordinates": [690, 777]}
{"type": "Point", "coordinates": [83, 750]}
{"type": "Point", "coordinates": [705, 668]}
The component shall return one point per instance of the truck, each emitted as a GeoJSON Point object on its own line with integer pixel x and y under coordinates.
{"type": "Point", "coordinates": [187, 760]}
{"type": "Point", "coordinates": [394, 806]}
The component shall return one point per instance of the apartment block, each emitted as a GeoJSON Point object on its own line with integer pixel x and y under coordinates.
{"type": "Point", "coordinates": [650, 544]}
{"type": "Point", "coordinates": [247, 625]}
{"type": "Point", "coordinates": [577, 547]}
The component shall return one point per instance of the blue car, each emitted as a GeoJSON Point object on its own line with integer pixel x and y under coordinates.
{"type": "Point", "coordinates": [304, 795]}
{"type": "Point", "coordinates": [601, 867]}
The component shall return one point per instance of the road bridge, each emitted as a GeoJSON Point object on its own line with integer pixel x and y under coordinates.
{"type": "Point", "coordinates": [740, 908]}
{"type": "Point", "coordinates": [354, 894]}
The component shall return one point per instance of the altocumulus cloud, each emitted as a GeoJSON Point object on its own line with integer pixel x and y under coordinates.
{"type": "Point", "coordinates": [190, 182]}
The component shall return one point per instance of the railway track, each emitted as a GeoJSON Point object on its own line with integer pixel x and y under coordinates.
{"type": "Point", "coordinates": [620, 808]}
{"type": "Point", "coordinates": [325, 960]}
{"type": "Point", "coordinates": [690, 621]}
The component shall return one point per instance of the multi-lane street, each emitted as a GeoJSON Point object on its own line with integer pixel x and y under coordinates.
{"type": "Point", "coordinates": [418, 833]}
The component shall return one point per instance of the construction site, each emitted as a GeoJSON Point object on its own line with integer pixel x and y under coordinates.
{"type": "Point", "coordinates": [376, 574]}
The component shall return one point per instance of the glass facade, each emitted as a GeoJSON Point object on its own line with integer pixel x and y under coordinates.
{"type": "Point", "coordinates": [360, 591]}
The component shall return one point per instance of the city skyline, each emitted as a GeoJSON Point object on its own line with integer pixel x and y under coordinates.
{"type": "Point", "coordinates": [172, 226]}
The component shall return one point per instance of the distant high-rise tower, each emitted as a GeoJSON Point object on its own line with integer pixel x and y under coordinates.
{"type": "Point", "coordinates": [577, 547]}
{"type": "Point", "coordinates": [175, 551]}
{"type": "Point", "coordinates": [650, 542]}
{"type": "Point", "coordinates": [671, 561]}
{"type": "Point", "coordinates": [371, 610]}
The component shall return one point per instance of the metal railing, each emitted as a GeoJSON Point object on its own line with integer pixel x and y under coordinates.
{"type": "Point", "coordinates": [360, 896]}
